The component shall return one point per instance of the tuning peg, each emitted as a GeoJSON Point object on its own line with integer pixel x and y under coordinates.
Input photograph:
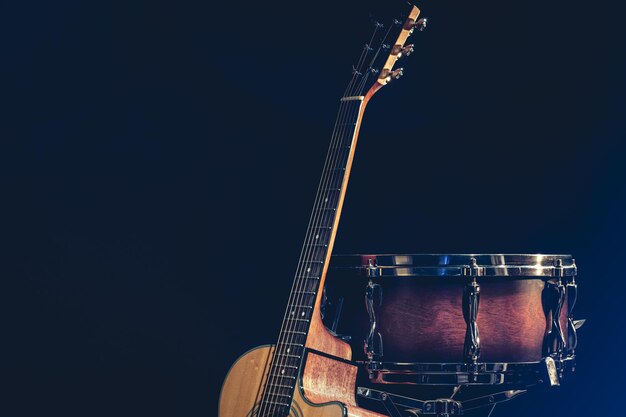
{"type": "Point", "coordinates": [394, 75]}
{"type": "Point", "coordinates": [399, 51]}
{"type": "Point", "coordinates": [419, 25]}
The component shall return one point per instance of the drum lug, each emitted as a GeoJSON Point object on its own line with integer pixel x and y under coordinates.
{"type": "Point", "coordinates": [556, 292]}
{"type": "Point", "coordinates": [373, 345]}
{"type": "Point", "coordinates": [572, 325]}
{"type": "Point", "coordinates": [471, 298]}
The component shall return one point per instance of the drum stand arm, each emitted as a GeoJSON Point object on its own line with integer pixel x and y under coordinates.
{"type": "Point", "coordinates": [441, 407]}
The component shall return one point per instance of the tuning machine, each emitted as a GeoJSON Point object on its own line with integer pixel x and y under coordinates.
{"type": "Point", "coordinates": [419, 25]}
{"type": "Point", "coordinates": [400, 51]}
{"type": "Point", "coordinates": [394, 75]}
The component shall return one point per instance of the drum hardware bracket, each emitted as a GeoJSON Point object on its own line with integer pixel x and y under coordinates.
{"type": "Point", "coordinates": [373, 350]}
{"type": "Point", "coordinates": [390, 406]}
{"type": "Point", "coordinates": [473, 270]}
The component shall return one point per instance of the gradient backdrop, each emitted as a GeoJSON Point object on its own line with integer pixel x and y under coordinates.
{"type": "Point", "coordinates": [159, 161]}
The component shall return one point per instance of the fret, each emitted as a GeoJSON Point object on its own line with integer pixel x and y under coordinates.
{"type": "Point", "coordinates": [322, 235]}
{"type": "Point", "coordinates": [295, 332]}
{"type": "Point", "coordinates": [273, 375]}
{"type": "Point", "coordinates": [276, 394]}
{"type": "Point", "coordinates": [316, 250]}
{"type": "Point", "coordinates": [306, 297]}
{"type": "Point", "coordinates": [307, 277]}
{"type": "Point", "coordinates": [293, 349]}
{"type": "Point", "coordinates": [290, 348]}
{"type": "Point", "coordinates": [333, 209]}
{"type": "Point", "coordinates": [277, 403]}
{"type": "Point", "coordinates": [330, 192]}
{"type": "Point", "coordinates": [290, 360]}
{"type": "Point", "coordinates": [305, 292]}
{"type": "Point", "coordinates": [298, 319]}
{"type": "Point", "coordinates": [288, 355]}
{"type": "Point", "coordinates": [341, 148]}
{"type": "Point", "coordinates": [281, 386]}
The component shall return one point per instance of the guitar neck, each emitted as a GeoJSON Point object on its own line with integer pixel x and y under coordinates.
{"type": "Point", "coordinates": [317, 248]}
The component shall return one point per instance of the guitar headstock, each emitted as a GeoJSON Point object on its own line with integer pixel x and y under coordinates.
{"type": "Point", "coordinates": [380, 61]}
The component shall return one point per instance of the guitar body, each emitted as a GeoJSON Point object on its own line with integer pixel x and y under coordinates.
{"type": "Point", "coordinates": [326, 387]}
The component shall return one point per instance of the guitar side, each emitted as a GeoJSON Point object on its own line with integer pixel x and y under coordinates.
{"type": "Point", "coordinates": [242, 388]}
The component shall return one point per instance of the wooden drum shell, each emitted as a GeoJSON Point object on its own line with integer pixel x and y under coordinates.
{"type": "Point", "coordinates": [420, 318]}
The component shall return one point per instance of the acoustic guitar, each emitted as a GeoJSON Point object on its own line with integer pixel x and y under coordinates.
{"type": "Point", "coordinates": [308, 371]}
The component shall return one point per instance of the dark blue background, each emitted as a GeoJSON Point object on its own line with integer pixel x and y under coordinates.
{"type": "Point", "coordinates": [160, 159]}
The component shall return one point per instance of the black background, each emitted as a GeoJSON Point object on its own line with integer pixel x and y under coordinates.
{"type": "Point", "coordinates": [160, 160]}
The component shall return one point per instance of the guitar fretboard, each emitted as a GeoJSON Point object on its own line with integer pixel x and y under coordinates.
{"type": "Point", "coordinates": [290, 346]}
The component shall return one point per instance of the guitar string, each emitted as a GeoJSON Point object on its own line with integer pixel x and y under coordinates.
{"type": "Point", "coordinates": [373, 60]}
{"type": "Point", "coordinates": [362, 58]}
{"type": "Point", "coordinates": [279, 348]}
{"type": "Point", "coordinates": [308, 247]}
{"type": "Point", "coordinates": [311, 246]}
{"type": "Point", "coordinates": [303, 284]}
{"type": "Point", "coordinates": [311, 243]}
{"type": "Point", "coordinates": [327, 176]}
{"type": "Point", "coordinates": [340, 161]}
{"type": "Point", "coordinates": [268, 399]}
{"type": "Point", "coordinates": [295, 303]}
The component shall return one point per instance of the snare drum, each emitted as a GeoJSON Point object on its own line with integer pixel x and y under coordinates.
{"type": "Point", "coordinates": [459, 319]}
